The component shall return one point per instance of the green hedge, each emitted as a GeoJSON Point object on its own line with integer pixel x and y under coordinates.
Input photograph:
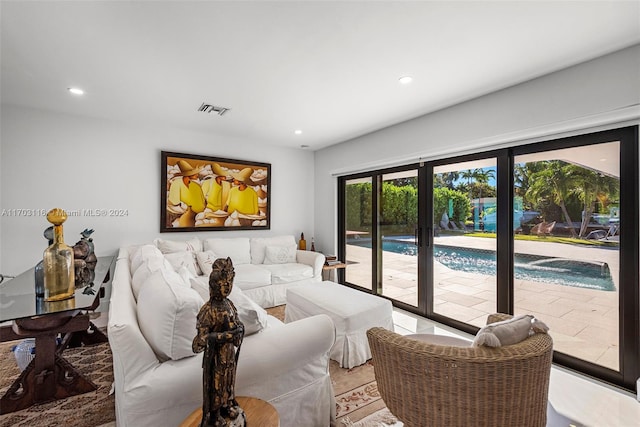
{"type": "Point", "coordinates": [461, 205]}
{"type": "Point", "coordinates": [400, 205]}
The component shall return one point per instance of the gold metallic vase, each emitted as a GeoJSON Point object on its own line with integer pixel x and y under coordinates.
{"type": "Point", "coordinates": [59, 275]}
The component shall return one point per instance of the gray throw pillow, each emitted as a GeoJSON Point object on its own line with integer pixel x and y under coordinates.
{"type": "Point", "coordinates": [506, 332]}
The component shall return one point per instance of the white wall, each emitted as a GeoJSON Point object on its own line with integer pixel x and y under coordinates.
{"type": "Point", "coordinates": [590, 95]}
{"type": "Point", "coordinates": [54, 160]}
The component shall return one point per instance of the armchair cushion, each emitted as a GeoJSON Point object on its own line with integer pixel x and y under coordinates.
{"type": "Point", "coordinates": [440, 340]}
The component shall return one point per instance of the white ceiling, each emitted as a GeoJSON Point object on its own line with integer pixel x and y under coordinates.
{"type": "Point", "coordinates": [330, 69]}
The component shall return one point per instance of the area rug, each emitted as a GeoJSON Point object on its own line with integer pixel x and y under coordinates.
{"type": "Point", "coordinates": [85, 410]}
{"type": "Point", "coordinates": [381, 418]}
{"type": "Point", "coordinates": [357, 396]}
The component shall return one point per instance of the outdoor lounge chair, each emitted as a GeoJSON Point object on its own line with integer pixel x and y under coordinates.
{"type": "Point", "coordinates": [614, 229]}
{"type": "Point", "coordinates": [543, 228]}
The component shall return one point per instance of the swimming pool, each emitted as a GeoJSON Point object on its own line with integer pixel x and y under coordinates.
{"type": "Point", "coordinates": [560, 271]}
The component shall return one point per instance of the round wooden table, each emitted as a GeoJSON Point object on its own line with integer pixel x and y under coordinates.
{"type": "Point", "coordinates": [257, 411]}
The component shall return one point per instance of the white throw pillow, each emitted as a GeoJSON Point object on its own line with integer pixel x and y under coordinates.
{"type": "Point", "coordinates": [146, 269]}
{"type": "Point", "coordinates": [205, 261]}
{"type": "Point", "coordinates": [506, 332]}
{"type": "Point", "coordinates": [280, 254]}
{"type": "Point", "coordinates": [238, 249]}
{"type": "Point", "coordinates": [259, 246]}
{"type": "Point", "coordinates": [141, 254]}
{"type": "Point", "coordinates": [185, 274]}
{"type": "Point", "coordinates": [171, 246]}
{"type": "Point", "coordinates": [252, 316]}
{"type": "Point", "coordinates": [167, 312]}
{"type": "Point", "coordinates": [184, 258]}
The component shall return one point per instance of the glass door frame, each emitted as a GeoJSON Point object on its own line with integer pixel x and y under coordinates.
{"type": "Point", "coordinates": [504, 224]}
{"type": "Point", "coordinates": [376, 238]}
{"type": "Point", "coordinates": [629, 296]}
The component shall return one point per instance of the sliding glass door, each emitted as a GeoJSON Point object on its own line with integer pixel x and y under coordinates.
{"type": "Point", "coordinates": [358, 232]}
{"type": "Point", "coordinates": [549, 229]}
{"type": "Point", "coordinates": [399, 236]}
{"type": "Point", "coordinates": [464, 244]}
{"type": "Point", "coordinates": [576, 248]}
{"type": "Point", "coordinates": [380, 233]}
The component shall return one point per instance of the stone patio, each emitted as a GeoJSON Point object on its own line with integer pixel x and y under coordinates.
{"type": "Point", "coordinates": [583, 322]}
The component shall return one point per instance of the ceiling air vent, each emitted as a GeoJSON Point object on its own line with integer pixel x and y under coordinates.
{"type": "Point", "coordinates": [208, 108]}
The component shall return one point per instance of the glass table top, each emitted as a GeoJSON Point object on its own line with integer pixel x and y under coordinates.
{"type": "Point", "coordinates": [18, 296]}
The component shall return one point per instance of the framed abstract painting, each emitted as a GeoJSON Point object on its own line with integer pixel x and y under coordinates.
{"type": "Point", "coordinates": [202, 193]}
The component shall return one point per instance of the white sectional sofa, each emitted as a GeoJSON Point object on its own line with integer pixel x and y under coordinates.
{"type": "Point", "coordinates": [157, 378]}
{"type": "Point", "coordinates": [265, 266]}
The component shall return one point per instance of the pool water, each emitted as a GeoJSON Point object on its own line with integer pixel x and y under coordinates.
{"type": "Point", "coordinates": [560, 271]}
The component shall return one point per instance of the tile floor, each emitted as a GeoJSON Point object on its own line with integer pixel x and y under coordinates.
{"type": "Point", "coordinates": [576, 400]}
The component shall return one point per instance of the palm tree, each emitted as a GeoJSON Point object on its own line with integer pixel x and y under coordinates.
{"type": "Point", "coordinates": [591, 186]}
{"type": "Point", "coordinates": [521, 180]}
{"type": "Point", "coordinates": [446, 179]}
{"type": "Point", "coordinates": [553, 182]}
{"type": "Point", "coordinates": [483, 176]}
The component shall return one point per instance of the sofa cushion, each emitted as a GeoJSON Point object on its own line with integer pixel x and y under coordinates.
{"type": "Point", "coordinates": [252, 316]}
{"type": "Point", "coordinates": [259, 245]}
{"type": "Point", "coordinates": [205, 261]}
{"type": "Point", "coordinates": [171, 246]}
{"type": "Point", "coordinates": [506, 332]}
{"type": "Point", "coordinates": [280, 254]}
{"type": "Point", "coordinates": [167, 309]}
{"type": "Point", "coordinates": [290, 272]}
{"type": "Point", "coordinates": [249, 276]}
{"type": "Point", "coordinates": [141, 254]}
{"type": "Point", "coordinates": [237, 249]}
{"type": "Point", "coordinates": [184, 258]}
{"type": "Point", "coordinates": [146, 269]}
{"type": "Point", "coordinates": [185, 274]}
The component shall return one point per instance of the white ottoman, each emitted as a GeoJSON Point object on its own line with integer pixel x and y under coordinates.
{"type": "Point", "coordinates": [352, 312]}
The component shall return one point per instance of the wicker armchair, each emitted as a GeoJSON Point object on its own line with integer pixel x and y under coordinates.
{"type": "Point", "coordinates": [425, 384]}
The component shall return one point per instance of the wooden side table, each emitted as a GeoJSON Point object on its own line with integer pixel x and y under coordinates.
{"type": "Point", "coordinates": [328, 270]}
{"type": "Point", "coordinates": [257, 411]}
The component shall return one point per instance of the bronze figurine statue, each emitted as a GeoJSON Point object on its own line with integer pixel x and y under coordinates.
{"type": "Point", "coordinates": [220, 334]}
{"type": "Point", "coordinates": [84, 259]}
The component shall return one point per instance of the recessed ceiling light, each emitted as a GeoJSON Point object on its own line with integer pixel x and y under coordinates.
{"type": "Point", "coordinates": [405, 80]}
{"type": "Point", "coordinates": [297, 132]}
{"type": "Point", "coordinates": [304, 146]}
{"type": "Point", "coordinates": [75, 90]}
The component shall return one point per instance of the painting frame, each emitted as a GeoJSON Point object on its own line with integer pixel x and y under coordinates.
{"type": "Point", "coordinates": [219, 194]}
